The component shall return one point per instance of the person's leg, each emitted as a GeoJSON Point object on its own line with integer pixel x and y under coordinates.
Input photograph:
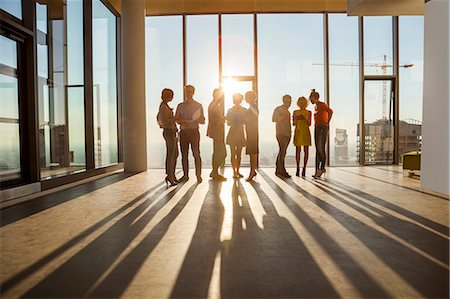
{"type": "Point", "coordinates": [278, 163]}
{"type": "Point", "coordinates": [316, 143]}
{"type": "Point", "coordinates": [168, 154]}
{"type": "Point", "coordinates": [171, 143]}
{"type": "Point", "coordinates": [184, 145]}
{"type": "Point", "coordinates": [298, 150]}
{"type": "Point", "coordinates": [233, 158]}
{"type": "Point", "coordinates": [195, 143]}
{"type": "Point", "coordinates": [223, 153]}
{"type": "Point", "coordinates": [319, 148]}
{"type": "Point", "coordinates": [305, 159]}
{"type": "Point", "coordinates": [215, 158]}
{"type": "Point", "coordinates": [238, 159]}
{"type": "Point", "coordinates": [324, 143]}
{"type": "Point", "coordinates": [285, 144]}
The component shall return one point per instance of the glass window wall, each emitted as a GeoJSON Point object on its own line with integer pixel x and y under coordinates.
{"type": "Point", "coordinates": [290, 61]}
{"type": "Point", "coordinates": [411, 83]}
{"type": "Point", "coordinates": [10, 164]}
{"type": "Point", "coordinates": [344, 88]}
{"type": "Point", "coordinates": [202, 68]}
{"type": "Point", "coordinates": [164, 69]}
{"type": "Point", "coordinates": [60, 87]}
{"type": "Point", "coordinates": [378, 55]}
{"type": "Point", "coordinates": [237, 45]}
{"type": "Point", "coordinates": [105, 86]}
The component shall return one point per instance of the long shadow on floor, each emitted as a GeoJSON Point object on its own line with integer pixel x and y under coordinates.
{"type": "Point", "coordinates": [425, 240]}
{"type": "Point", "coordinates": [75, 277]}
{"type": "Point", "coordinates": [117, 281]}
{"type": "Point", "coordinates": [425, 276]}
{"type": "Point", "coordinates": [14, 213]}
{"type": "Point", "coordinates": [255, 263]}
{"type": "Point", "coordinates": [196, 272]}
{"type": "Point", "coordinates": [271, 262]}
{"type": "Point", "coordinates": [419, 218]}
{"type": "Point", "coordinates": [13, 281]}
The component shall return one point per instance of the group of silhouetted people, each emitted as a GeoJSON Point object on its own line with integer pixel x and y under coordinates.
{"type": "Point", "coordinates": [243, 132]}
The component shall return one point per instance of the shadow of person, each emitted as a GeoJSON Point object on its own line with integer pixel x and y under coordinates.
{"type": "Point", "coordinates": [271, 262]}
{"type": "Point", "coordinates": [196, 272]}
{"type": "Point", "coordinates": [75, 277]}
{"type": "Point", "coordinates": [423, 239]}
{"type": "Point", "coordinates": [418, 271]}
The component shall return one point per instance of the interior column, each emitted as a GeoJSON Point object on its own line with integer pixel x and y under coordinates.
{"type": "Point", "coordinates": [133, 85]}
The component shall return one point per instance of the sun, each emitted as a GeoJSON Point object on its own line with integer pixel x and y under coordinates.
{"type": "Point", "coordinates": [231, 86]}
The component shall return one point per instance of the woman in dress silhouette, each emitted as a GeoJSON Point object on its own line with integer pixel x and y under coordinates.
{"type": "Point", "coordinates": [236, 137]}
{"type": "Point", "coordinates": [301, 120]}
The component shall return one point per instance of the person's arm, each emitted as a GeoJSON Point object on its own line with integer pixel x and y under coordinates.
{"type": "Point", "coordinates": [330, 114]}
{"type": "Point", "coordinates": [201, 119]}
{"type": "Point", "coordinates": [309, 118]}
{"type": "Point", "coordinates": [275, 115]}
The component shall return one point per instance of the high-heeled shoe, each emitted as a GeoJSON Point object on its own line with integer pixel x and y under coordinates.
{"type": "Point", "coordinates": [297, 173]}
{"type": "Point", "coordinates": [170, 182]}
{"type": "Point", "coordinates": [304, 172]}
{"type": "Point", "coordinates": [251, 176]}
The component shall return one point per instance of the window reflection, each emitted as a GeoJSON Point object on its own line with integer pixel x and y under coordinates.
{"type": "Point", "coordinates": [60, 87]}
{"type": "Point", "coordinates": [105, 87]}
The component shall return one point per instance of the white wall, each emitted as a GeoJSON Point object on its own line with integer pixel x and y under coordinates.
{"type": "Point", "coordinates": [435, 162]}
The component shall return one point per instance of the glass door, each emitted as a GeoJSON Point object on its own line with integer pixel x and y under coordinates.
{"type": "Point", "coordinates": [10, 147]}
{"type": "Point", "coordinates": [378, 115]}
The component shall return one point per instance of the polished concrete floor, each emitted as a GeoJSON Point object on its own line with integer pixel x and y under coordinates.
{"type": "Point", "coordinates": [357, 232]}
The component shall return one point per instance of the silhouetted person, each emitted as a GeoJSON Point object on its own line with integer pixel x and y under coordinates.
{"type": "Point", "coordinates": [301, 120]}
{"type": "Point", "coordinates": [189, 115]}
{"type": "Point", "coordinates": [166, 121]}
{"type": "Point", "coordinates": [251, 130]}
{"type": "Point", "coordinates": [322, 117]}
{"type": "Point", "coordinates": [236, 137]}
{"type": "Point", "coordinates": [216, 131]}
{"type": "Point", "coordinates": [282, 118]}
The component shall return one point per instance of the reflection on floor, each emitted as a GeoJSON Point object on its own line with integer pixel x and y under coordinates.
{"type": "Point", "coordinates": [357, 232]}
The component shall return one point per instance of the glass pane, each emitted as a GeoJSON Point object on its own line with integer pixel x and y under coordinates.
{"type": "Point", "coordinates": [41, 17]}
{"type": "Point", "coordinates": [105, 89]}
{"type": "Point", "coordinates": [164, 69]}
{"type": "Point", "coordinates": [344, 88]}
{"type": "Point", "coordinates": [9, 100]}
{"type": "Point", "coordinates": [9, 151]}
{"type": "Point", "coordinates": [378, 122]}
{"type": "Point", "coordinates": [75, 49]}
{"type": "Point", "coordinates": [61, 104]}
{"type": "Point", "coordinates": [202, 66]}
{"type": "Point", "coordinates": [10, 167]}
{"type": "Point", "coordinates": [13, 7]}
{"type": "Point", "coordinates": [8, 54]}
{"type": "Point", "coordinates": [378, 46]}
{"type": "Point", "coordinates": [76, 126]}
{"type": "Point", "coordinates": [411, 83]}
{"type": "Point", "coordinates": [290, 61]}
{"type": "Point", "coordinates": [237, 45]}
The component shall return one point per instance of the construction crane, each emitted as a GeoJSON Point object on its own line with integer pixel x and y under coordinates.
{"type": "Point", "coordinates": [384, 66]}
